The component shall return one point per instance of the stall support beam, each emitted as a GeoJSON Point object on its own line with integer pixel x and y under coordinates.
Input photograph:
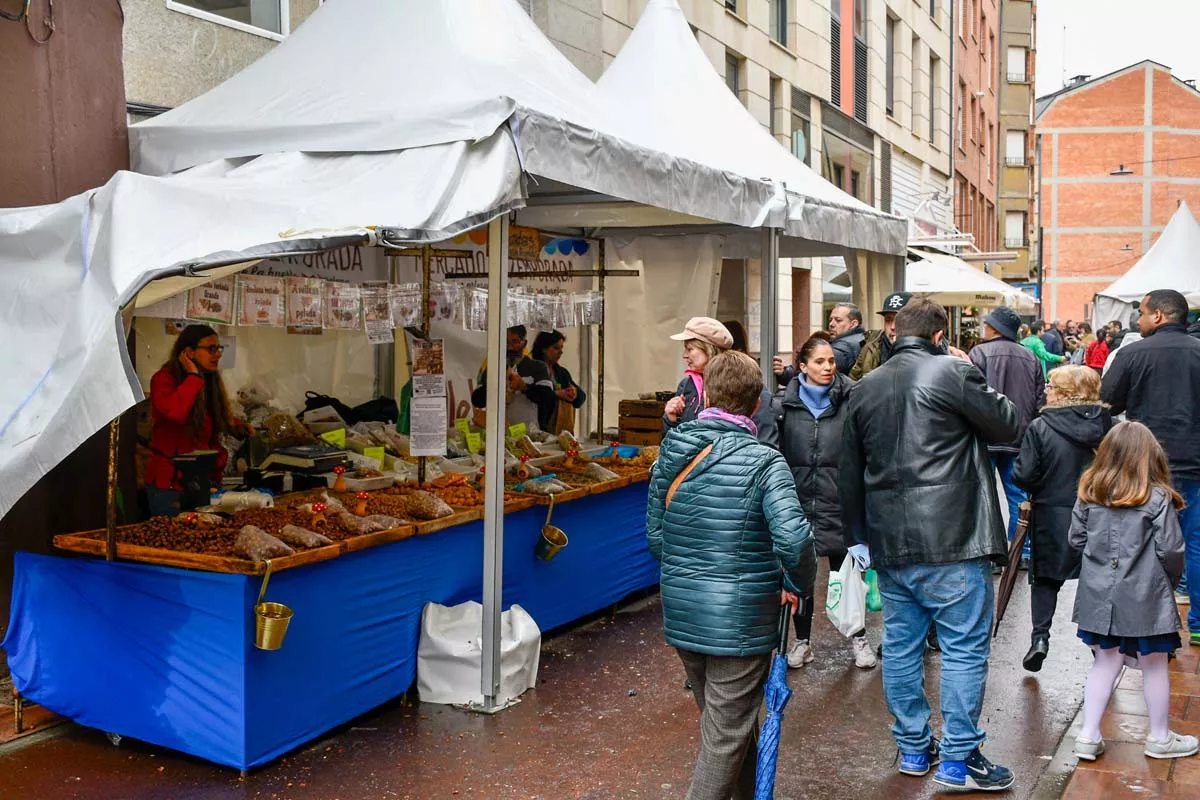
{"type": "Point", "coordinates": [601, 263]}
{"type": "Point", "coordinates": [110, 510]}
{"type": "Point", "coordinates": [493, 507]}
{"type": "Point", "coordinates": [768, 327]}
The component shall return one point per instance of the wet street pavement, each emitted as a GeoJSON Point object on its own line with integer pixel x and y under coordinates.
{"type": "Point", "coordinates": [609, 719]}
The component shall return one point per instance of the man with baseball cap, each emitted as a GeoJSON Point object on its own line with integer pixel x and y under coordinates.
{"type": "Point", "coordinates": [1015, 372]}
{"type": "Point", "coordinates": [877, 346]}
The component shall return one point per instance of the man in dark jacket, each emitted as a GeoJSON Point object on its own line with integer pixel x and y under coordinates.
{"type": "Point", "coordinates": [1016, 373]}
{"type": "Point", "coordinates": [917, 486]}
{"type": "Point", "coordinates": [1157, 382]}
{"type": "Point", "coordinates": [723, 518]}
{"type": "Point", "coordinates": [877, 345]}
{"type": "Point", "coordinates": [845, 326]}
{"type": "Point", "coordinates": [1054, 340]}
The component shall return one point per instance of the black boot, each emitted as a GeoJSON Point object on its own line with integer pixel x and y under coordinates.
{"type": "Point", "coordinates": [1037, 654]}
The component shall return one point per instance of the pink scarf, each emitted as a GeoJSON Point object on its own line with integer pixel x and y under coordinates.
{"type": "Point", "coordinates": [722, 415]}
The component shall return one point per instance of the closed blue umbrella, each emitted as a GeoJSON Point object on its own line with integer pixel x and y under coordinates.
{"type": "Point", "coordinates": [776, 694]}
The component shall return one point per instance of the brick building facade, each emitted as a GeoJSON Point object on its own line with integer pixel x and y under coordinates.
{"type": "Point", "coordinates": [1117, 155]}
{"type": "Point", "coordinates": [976, 93]}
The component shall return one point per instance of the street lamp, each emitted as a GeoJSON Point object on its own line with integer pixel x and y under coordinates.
{"type": "Point", "coordinates": [1121, 171]}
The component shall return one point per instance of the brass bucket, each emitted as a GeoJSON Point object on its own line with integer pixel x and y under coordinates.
{"type": "Point", "coordinates": [270, 619]}
{"type": "Point", "coordinates": [552, 540]}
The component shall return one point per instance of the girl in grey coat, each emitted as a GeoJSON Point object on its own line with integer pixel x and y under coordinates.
{"type": "Point", "coordinates": [1126, 522]}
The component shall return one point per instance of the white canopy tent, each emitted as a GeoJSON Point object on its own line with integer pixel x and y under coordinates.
{"type": "Point", "coordinates": [1173, 262]}
{"type": "Point", "coordinates": [662, 79]}
{"type": "Point", "coordinates": [950, 281]}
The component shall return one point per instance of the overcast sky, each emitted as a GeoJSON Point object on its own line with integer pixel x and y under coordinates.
{"type": "Point", "coordinates": [1106, 35]}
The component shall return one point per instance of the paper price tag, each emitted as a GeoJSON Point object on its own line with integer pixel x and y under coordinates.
{"type": "Point", "coordinates": [463, 425]}
{"type": "Point", "coordinates": [515, 432]}
{"type": "Point", "coordinates": [376, 453]}
{"type": "Point", "coordinates": [474, 442]}
{"type": "Point", "coordinates": [337, 438]}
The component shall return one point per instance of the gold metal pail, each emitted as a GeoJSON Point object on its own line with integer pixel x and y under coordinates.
{"type": "Point", "coordinates": [552, 540]}
{"type": "Point", "coordinates": [270, 619]}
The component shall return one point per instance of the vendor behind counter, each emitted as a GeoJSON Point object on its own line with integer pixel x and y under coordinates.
{"type": "Point", "coordinates": [189, 410]}
{"type": "Point", "coordinates": [530, 395]}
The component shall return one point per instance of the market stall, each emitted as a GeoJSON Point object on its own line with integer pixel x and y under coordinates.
{"type": "Point", "coordinates": [964, 289]}
{"type": "Point", "coordinates": [319, 134]}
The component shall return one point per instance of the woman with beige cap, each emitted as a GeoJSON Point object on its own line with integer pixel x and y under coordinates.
{"type": "Point", "coordinates": [703, 338]}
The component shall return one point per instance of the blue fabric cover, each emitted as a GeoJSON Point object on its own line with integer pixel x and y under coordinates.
{"type": "Point", "coordinates": [166, 655]}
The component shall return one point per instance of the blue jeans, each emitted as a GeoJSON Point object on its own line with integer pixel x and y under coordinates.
{"type": "Point", "coordinates": [960, 600]}
{"type": "Point", "coordinates": [1005, 464]}
{"type": "Point", "coordinates": [1189, 521]}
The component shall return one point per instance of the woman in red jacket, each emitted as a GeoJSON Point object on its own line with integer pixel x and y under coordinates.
{"type": "Point", "coordinates": [1097, 352]}
{"type": "Point", "coordinates": [189, 410]}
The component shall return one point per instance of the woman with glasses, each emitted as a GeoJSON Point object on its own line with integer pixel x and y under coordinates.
{"type": "Point", "coordinates": [189, 410]}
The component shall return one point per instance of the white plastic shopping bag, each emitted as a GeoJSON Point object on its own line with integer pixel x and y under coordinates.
{"type": "Point", "coordinates": [450, 653]}
{"type": "Point", "coordinates": [846, 602]}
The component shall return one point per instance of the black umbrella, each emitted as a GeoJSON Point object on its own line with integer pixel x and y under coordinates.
{"type": "Point", "coordinates": [1008, 579]}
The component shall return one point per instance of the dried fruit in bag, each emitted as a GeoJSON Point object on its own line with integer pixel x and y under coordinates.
{"type": "Point", "coordinates": [358, 525]}
{"type": "Point", "coordinates": [295, 535]}
{"type": "Point", "coordinates": [257, 545]}
{"type": "Point", "coordinates": [387, 521]}
{"type": "Point", "coordinates": [285, 429]}
{"type": "Point", "coordinates": [425, 506]}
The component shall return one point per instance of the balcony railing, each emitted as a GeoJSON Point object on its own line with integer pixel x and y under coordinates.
{"type": "Point", "coordinates": [1018, 77]}
{"type": "Point", "coordinates": [1014, 161]}
{"type": "Point", "coordinates": [1020, 241]}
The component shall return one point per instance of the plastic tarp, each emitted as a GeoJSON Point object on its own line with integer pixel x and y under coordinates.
{"type": "Point", "coordinates": [662, 79]}
{"type": "Point", "coordinates": [166, 655]}
{"type": "Point", "coordinates": [950, 281]}
{"type": "Point", "coordinates": [66, 269]}
{"type": "Point", "coordinates": [376, 75]}
{"type": "Point", "coordinates": [1173, 262]}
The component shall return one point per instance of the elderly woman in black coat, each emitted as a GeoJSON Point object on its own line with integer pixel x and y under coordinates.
{"type": "Point", "coordinates": [1058, 446]}
{"type": "Point", "coordinates": [810, 416]}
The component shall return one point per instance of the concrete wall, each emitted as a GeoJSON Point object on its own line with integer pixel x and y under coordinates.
{"type": "Point", "coordinates": [171, 57]}
{"type": "Point", "coordinates": [1142, 117]}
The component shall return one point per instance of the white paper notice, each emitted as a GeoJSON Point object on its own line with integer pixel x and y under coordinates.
{"type": "Point", "coordinates": [429, 367]}
{"type": "Point", "coordinates": [427, 434]}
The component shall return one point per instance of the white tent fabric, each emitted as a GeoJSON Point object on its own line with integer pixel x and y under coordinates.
{"type": "Point", "coordinates": [66, 269]}
{"type": "Point", "coordinates": [662, 80]}
{"type": "Point", "coordinates": [950, 281]}
{"type": "Point", "coordinates": [1173, 262]}
{"type": "Point", "coordinates": [380, 75]}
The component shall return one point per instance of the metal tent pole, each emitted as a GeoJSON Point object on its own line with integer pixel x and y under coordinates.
{"type": "Point", "coordinates": [493, 507]}
{"type": "Point", "coordinates": [768, 328]}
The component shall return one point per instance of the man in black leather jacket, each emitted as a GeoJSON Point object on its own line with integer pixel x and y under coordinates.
{"type": "Point", "coordinates": [917, 486]}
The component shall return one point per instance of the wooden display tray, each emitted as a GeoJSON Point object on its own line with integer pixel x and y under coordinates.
{"type": "Point", "coordinates": [588, 491]}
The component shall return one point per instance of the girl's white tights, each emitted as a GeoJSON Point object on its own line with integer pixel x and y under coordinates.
{"type": "Point", "coordinates": [1156, 687]}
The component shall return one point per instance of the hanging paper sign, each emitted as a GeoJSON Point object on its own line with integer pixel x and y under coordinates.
{"type": "Point", "coordinates": [406, 304]}
{"type": "Point", "coordinates": [377, 313]}
{"type": "Point", "coordinates": [524, 244]}
{"type": "Point", "coordinates": [305, 305]}
{"type": "Point", "coordinates": [260, 301]}
{"type": "Point", "coordinates": [212, 302]}
{"type": "Point", "coordinates": [343, 306]}
{"type": "Point", "coordinates": [429, 367]}
{"type": "Point", "coordinates": [174, 307]}
{"type": "Point", "coordinates": [427, 426]}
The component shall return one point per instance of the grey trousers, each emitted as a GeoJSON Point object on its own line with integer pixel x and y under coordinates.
{"type": "Point", "coordinates": [729, 691]}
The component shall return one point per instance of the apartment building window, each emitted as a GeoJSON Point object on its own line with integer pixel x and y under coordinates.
{"type": "Point", "coordinates": [268, 17]}
{"type": "Point", "coordinates": [776, 91]}
{"type": "Point", "coordinates": [861, 78]}
{"type": "Point", "coordinates": [962, 18]}
{"type": "Point", "coordinates": [890, 104]}
{"type": "Point", "coordinates": [835, 52]}
{"type": "Point", "coordinates": [933, 9]}
{"type": "Point", "coordinates": [971, 121]}
{"type": "Point", "coordinates": [1017, 59]}
{"type": "Point", "coordinates": [987, 152]}
{"type": "Point", "coordinates": [974, 18]}
{"type": "Point", "coordinates": [732, 5]}
{"type": "Point", "coordinates": [801, 108]}
{"type": "Point", "coordinates": [733, 78]}
{"type": "Point", "coordinates": [935, 90]}
{"type": "Point", "coordinates": [1014, 148]}
{"type": "Point", "coordinates": [915, 83]}
{"type": "Point", "coordinates": [1014, 229]}
{"type": "Point", "coordinates": [779, 21]}
{"type": "Point", "coordinates": [961, 121]}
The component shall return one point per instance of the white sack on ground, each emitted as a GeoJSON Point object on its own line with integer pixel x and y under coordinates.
{"type": "Point", "coordinates": [450, 654]}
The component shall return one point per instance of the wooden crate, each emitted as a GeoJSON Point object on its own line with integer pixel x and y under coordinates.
{"type": "Point", "coordinates": [641, 408]}
{"type": "Point", "coordinates": [641, 439]}
{"type": "Point", "coordinates": [640, 424]}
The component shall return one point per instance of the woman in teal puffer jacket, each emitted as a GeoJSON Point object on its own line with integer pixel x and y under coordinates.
{"type": "Point", "coordinates": [730, 539]}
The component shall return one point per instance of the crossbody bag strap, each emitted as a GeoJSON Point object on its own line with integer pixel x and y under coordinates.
{"type": "Point", "coordinates": [686, 471]}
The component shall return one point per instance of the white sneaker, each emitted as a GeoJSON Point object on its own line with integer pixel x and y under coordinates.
{"type": "Point", "coordinates": [864, 656]}
{"type": "Point", "coordinates": [1087, 750]}
{"type": "Point", "coordinates": [800, 654]}
{"type": "Point", "coordinates": [1176, 746]}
